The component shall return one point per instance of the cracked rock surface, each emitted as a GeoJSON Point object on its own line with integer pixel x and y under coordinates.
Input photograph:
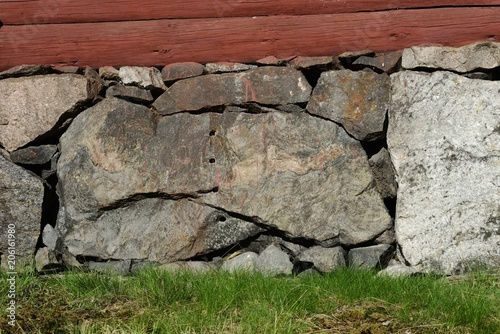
{"type": "Point", "coordinates": [444, 140]}
{"type": "Point", "coordinates": [135, 185]}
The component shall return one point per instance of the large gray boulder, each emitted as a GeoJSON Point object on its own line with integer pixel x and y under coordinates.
{"type": "Point", "coordinates": [443, 137]}
{"type": "Point", "coordinates": [299, 174]}
{"type": "Point", "coordinates": [21, 199]}
{"type": "Point", "coordinates": [127, 185]}
{"type": "Point", "coordinates": [31, 107]}
{"type": "Point", "coordinates": [482, 55]}
{"type": "Point", "coordinates": [214, 174]}
{"type": "Point", "coordinates": [265, 85]}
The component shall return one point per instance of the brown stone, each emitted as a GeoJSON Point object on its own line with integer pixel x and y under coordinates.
{"type": "Point", "coordinates": [383, 172]}
{"type": "Point", "coordinates": [34, 155]}
{"type": "Point", "coordinates": [269, 60]}
{"type": "Point", "coordinates": [357, 100]}
{"type": "Point", "coordinates": [178, 71]}
{"type": "Point", "coordinates": [109, 73]}
{"type": "Point", "coordinates": [265, 85]}
{"type": "Point", "coordinates": [308, 62]}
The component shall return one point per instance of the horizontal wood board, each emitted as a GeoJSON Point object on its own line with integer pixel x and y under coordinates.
{"type": "Point", "coordinates": [70, 11]}
{"type": "Point", "coordinates": [243, 39]}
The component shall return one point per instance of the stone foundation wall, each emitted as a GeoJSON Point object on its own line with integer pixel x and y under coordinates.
{"type": "Point", "coordinates": [283, 165]}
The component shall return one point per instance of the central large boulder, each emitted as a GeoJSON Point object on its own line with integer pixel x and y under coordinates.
{"type": "Point", "coordinates": [138, 185]}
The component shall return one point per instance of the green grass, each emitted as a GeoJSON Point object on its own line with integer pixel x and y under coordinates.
{"type": "Point", "coordinates": [346, 301]}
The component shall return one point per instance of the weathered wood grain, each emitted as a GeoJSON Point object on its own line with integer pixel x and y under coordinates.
{"type": "Point", "coordinates": [69, 11]}
{"type": "Point", "coordinates": [159, 42]}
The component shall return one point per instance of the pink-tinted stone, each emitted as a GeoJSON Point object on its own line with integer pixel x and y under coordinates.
{"type": "Point", "coordinates": [264, 85]}
{"type": "Point", "coordinates": [178, 71]}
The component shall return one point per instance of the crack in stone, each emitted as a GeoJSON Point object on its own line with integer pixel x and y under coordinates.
{"type": "Point", "coordinates": [125, 202]}
{"type": "Point", "coordinates": [329, 120]}
{"type": "Point", "coordinates": [269, 229]}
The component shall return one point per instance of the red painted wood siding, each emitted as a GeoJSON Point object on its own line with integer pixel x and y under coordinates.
{"type": "Point", "coordinates": [125, 32]}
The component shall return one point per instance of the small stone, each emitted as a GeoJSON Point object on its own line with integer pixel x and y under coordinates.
{"type": "Point", "coordinates": [308, 62]}
{"type": "Point", "coordinates": [49, 237]}
{"type": "Point", "coordinates": [269, 60]}
{"type": "Point", "coordinates": [66, 69]}
{"type": "Point", "coordinates": [357, 100]}
{"type": "Point", "coordinates": [121, 267]}
{"type": "Point", "coordinates": [242, 262]}
{"type": "Point", "coordinates": [385, 63]}
{"type": "Point", "coordinates": [25, 70]}
{"type": "Point", "coordinates": [263, 241]}
{"type": "Point", "coordinates": [146, 77]}
{"type": "Point", "coordinates": [350, 56]}
{"type": "Point", "coordinates": [223, 230]}
{"type": "Point", "coordinates": [383, 173]}
{"type": "Point", "coordinates": [69, 260]}
{"type": "Point", "coordinates": [46, 260]}
{"type": "Point", "coordinates": [91, 74]}
{"type": "Point", "coordinates": [372, 257]}
{"type": "Point", "coordinates": [227, 67]}
{"type": "Point", "coordinates": [109, 73]}
{"type": "Point", "coordinates": [273, 261]}
{"type": "Point", "coordinates": [481, 55]}
{"type": "Point", "coordinates": [293, 249]}
{"type": "Point", "coordinates": [46, 173]}
{"type": "Point", "coordinates": [132, 93]}
{"type": "Point", "coordinates": [388, 237]}
{"type": "Point", "coordinates": [178, 71]}
{"type": "Point", "coordinates": [33, 155]}
{"type": "Point", "coordinates": [324, 259]}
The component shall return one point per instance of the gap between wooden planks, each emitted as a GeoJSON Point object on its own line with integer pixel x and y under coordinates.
{"type": "Point", "coordinates": [159, 42]}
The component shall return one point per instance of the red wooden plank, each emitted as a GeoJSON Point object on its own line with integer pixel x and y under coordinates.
{"type": "Point", "coordinates": [68, 11]}
{"type": "Point", "coordinates": [161, 42]}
